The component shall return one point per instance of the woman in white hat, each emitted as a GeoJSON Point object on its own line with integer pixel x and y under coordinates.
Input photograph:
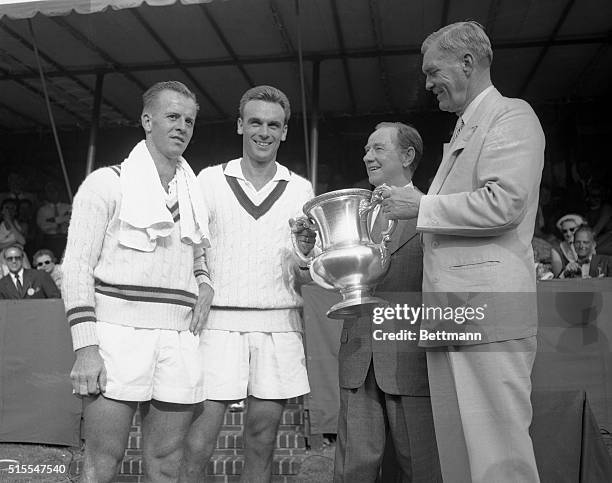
{"type": "Point", "coordinates": [564, 253]}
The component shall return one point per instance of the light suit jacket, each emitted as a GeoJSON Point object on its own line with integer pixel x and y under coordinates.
{"type": "Point", "coordinates": [478, 217]}
{"type": "Point", "coordinates": [399, 372]}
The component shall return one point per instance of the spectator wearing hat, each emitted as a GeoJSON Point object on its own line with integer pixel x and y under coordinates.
{"type": "Point", "coordinates": [564, 251]}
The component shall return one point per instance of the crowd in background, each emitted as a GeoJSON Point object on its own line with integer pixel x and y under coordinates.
{"type": "Point", "coordinates": [573, 233]}
{"type": "Point", "coordinates": [36, 223]}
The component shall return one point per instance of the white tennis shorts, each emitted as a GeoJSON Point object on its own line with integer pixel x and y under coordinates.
{"type": "Point", "coordinates": [145, 364]}
{"type": "Point", "coordinates": [266, 365]}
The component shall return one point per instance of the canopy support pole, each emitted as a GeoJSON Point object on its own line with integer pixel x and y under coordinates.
{"type": "Point", "coordinates": [302, 86]}
{"type": "Point", "coordinates": [314, 125]}
{"type": "Point", "coordinates": [50, 112]}
{"type": "Point", "coordinates": [95, 122]}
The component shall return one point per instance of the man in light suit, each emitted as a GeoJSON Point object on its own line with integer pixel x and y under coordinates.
{"type": "Point", "coordinates": [477, 223]}
{"type": "Point", "coordinates": [25, 283]}
{"type": "Point", "coordinates": [383, 389]}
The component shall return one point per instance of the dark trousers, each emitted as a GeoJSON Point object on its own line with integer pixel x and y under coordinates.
{"type": "Point", "coordinates": [367, 415]}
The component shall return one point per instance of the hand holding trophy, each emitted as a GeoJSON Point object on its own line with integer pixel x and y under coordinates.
{"type": "Point", "coordinates": [350, 262]}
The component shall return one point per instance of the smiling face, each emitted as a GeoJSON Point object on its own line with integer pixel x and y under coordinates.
{"type": "Point", "coordinates": [584, 243]}
{"type": "Point", "coordinates": [445, 76]}
{"type": "Point", "coordinates": [384, 161]}
{"type": "Point", "coordinates": [168, 124]}
{"type": "Point", "coordinates": [263, 128]}
{"type": "Point", "coordinates": [14, 259]}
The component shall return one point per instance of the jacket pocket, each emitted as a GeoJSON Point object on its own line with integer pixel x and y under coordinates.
{"type": "Point", "coordinates": [475, 265]}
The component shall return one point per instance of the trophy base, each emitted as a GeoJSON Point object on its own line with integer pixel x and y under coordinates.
{"type": "Point", "coordinates": [354, 307]}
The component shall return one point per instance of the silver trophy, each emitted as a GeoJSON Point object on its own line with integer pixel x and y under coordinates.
{"type": "Point", "coordinates": [350, 262]}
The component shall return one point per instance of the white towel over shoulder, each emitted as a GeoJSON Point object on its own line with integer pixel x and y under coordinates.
{"type": "Point", "coordinates": [144, 215]}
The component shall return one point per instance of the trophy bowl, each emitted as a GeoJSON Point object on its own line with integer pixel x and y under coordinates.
{"type": "Point", "coordinates": [350, 262]}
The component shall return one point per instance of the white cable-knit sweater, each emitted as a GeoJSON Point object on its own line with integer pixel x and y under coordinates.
{"type": "Point", "coordinates": [251, 261]}
{"type": "Point", "coordinates": [103, 280]}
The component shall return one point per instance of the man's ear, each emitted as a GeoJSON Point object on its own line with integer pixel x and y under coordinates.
{"type": "Point", "coordinates": [239, 129]}
{"type": "Point", "coordinates": [408, 157]}
{"type": "Point", "coordinates": [284, 134]}
{"type": "Point", "coordinates": [468, 63]}
{"type": "Point", "coordinates": [145, 120]}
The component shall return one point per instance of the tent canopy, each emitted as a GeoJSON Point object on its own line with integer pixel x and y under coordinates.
{"type": "Point", "coordinates": [367, 53]}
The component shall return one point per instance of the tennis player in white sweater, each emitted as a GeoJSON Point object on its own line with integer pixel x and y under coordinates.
{"type": "Point", "coordinates": [135, 282]}
{"type": "Point", "coordinates": [251, 344]}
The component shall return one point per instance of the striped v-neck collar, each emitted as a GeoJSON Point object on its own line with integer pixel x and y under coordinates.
{"type": "Point", "coordinates": [256, 211]}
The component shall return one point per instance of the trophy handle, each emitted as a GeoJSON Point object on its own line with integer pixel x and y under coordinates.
{"type": "Point", "coordinates": [365, 207]}
{"type": "Point", "coordinates": [296, 248]}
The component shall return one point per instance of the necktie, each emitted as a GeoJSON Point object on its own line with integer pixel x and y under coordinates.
{"type": "Point", "coordinates": [458, 128]}
{"type": "Point", "coordinates": [19, 285]}
{"type": "Point", "coordinates": [380, 224]}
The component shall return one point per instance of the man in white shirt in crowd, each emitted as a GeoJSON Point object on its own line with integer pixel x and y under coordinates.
{"type": "Point", "coordinates": [588, 263]}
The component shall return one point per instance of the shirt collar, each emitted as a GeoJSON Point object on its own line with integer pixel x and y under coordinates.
{"type": "Point", "coordinates": [407, 185]}
{"type": "Point", "coordinates": [20, 273]}
{"type": "Point", "coordinates": [234, 169]}
{"type": "Point", "coordinates": [471, 108]}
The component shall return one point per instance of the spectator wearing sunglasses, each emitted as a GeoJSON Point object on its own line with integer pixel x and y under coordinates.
{"type": "Point", "coordinates": [564, 252]}
{"type": "Point", "coordinates": [25, 283]}
{"type": "Point", "coordinates": [44, 259]}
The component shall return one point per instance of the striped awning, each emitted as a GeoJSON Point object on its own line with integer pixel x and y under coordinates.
{"type": "Point", "coordinates": [29, 8]}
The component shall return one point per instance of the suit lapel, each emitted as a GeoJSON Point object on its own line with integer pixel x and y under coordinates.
{"type": "Point", "coordinates": [404, 232]}
{"type": "Point", "coordinates": [27, 283]}
{"type": "Point", "coordinates": [456, 148]}
{"type": "Point", "coordinates": [9, 286]}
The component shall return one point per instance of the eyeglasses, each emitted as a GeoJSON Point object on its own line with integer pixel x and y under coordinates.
{"type": "Point", "coordinates": [40, 264]}
{"type": "Point", "coordinates": [13, 259]}
{"type": "Point", "coordinates": [569, 230]}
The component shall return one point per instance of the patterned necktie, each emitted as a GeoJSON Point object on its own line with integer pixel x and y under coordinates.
{"type": "Point", "coordinates": [458, 128]}
{"type": "Point", "coordinates": [19, 285]}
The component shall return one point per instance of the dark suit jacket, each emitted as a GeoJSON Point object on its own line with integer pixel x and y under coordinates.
{"type": "Point", "coordinates": [600, 265]}
{"type": "Point", "coordinates": [402, 372]}
{"type": "Point", "coordinates": [36, 285]}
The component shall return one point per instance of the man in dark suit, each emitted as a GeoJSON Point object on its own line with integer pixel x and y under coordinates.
{"type": "Point", "coordinates": [25, 284]}
{"type": "Point", "coordinates": [384, 389]}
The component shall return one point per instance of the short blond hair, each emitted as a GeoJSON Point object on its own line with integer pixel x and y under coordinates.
{"type": "Point", "coordinates": [460, 36]}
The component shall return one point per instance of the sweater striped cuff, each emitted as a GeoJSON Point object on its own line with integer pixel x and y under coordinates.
{"type": "Point", "coordinates": [82, 321]}
{"type": "Point", "coordinates": [202, 276]}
